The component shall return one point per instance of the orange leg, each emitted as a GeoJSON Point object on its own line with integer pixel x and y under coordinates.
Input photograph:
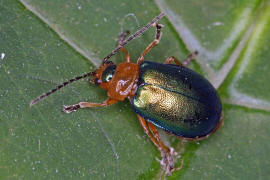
{"type": "Point", "coordinates": [124, 50]}
{"type": "Point", "coordinates": [167, 153]}
{"type": "Point", "coordinates": [127, 56]}
{"type": "Point", "coordinates": [185, 62]}
{"type": "Point", "coordinates": [152, 44]}
{"type": "Point", "coordinates": [147, 131]}
{"type": "Point", "coordinates": [172, 59]}
{"type": "Point", "coordinates": [167, 161]}
{"type": "Point", "coordinates": [75, 107]}
{"type": "Point", "coordinates": [154, 131]}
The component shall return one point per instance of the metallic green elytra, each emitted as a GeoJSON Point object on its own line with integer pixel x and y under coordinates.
{"type": "Point", "coordinates": [177, 99]}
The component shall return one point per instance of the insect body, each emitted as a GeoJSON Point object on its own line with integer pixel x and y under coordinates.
{"type": "Point", "coordinates": [169, 96]}
{"type": "Point", "coordinates": [176, 99]}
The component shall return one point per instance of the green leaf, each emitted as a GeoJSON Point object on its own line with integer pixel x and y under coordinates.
{"type": "Point", "coordinates": [43, 43]}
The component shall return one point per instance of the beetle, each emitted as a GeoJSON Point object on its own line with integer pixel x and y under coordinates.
{"type": "Point", "coordinates": [168, 96]}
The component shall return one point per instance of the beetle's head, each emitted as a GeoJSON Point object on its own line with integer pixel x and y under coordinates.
{"type": "Point", "coordinates": [103, 75]}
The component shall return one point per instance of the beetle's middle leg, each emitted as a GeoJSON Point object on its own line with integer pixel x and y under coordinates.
{"type": "Point", "coordinates": [152, 44]}
{"type": "Point", "coordinates": [172, 59]}
{"type": "Point", "coordinates": [185, 62]}
{"type": "Point", "coordinates": [122, 37]}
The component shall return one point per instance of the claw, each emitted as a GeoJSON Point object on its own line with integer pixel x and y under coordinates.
{"type": "Point", "coordinates": [69, 109]}
{"type": "Point", "coordinates": [168, 160]}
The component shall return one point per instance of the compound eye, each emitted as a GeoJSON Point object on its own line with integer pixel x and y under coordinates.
{"type": "Point", "coordinates": [108, 73]}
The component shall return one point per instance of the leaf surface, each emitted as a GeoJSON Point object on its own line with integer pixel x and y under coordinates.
{"type": "Point", "coordinates": [43, 43]}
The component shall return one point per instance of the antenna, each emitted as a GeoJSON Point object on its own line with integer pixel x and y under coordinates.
{"type": "Point", "coordinates": [137, 33]}
{"type": "Point", "coordinates": [59, 87]}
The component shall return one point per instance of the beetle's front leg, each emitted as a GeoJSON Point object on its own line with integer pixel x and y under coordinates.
{"type": "Point", "coordinates": [75, 107]}
{"type": "Point", "coordinates": [124, 50]}
{"type": "Point", "coordinates": [152, 44]}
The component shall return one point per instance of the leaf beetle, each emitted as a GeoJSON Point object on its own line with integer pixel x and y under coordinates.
{"type": "Point", "coordinates": [168, 96]}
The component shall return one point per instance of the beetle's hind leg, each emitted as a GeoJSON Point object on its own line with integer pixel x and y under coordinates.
{"type": "Point", "coordinates": [122, 37]}
{"type": "Point", "coordinates": [167, 154]}
{"type": "Point", "coordinates": [75, 107]}
{"type": "Point", "coordinates": [152, 44]}
{"type": "Point", "coordinates": [185, 62]}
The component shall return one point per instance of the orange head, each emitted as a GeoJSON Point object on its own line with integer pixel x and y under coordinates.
{"type": "Point", "coordinates": [119, 80]}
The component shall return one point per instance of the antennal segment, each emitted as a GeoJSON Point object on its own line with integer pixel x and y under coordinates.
{"type": "Point", "coordinates": [60, 86]}
{"type": "Point", "coordinates": [133, 36]}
